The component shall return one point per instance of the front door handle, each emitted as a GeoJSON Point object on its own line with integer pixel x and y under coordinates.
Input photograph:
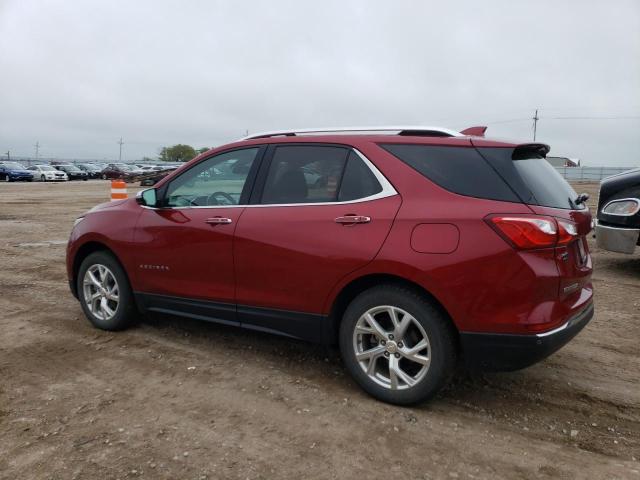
{"type": "Point", "coordinates": [218, 221]}
{"type": "Point", "coordinates": [352, 219]}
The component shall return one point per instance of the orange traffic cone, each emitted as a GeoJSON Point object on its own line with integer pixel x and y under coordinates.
{"type": "Point", "coordinates": [118, 190]}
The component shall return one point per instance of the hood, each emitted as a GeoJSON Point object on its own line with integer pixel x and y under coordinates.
{"type": "Point", "coordinates": [107, 205]}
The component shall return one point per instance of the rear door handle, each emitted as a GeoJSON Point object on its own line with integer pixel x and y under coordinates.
{"type": "Point", "coordinates": [352, 219]}
{"type": "Point", "coordinates": [218, 221]}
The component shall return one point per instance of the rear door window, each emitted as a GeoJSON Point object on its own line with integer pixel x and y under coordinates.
{"type": "Point", "coordinates": [358, 180]}
{"type": "Point", "coordinates": [304, 174]}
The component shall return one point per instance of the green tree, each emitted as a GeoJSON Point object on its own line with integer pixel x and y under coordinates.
{"type": "Point", "coordinates": [177, 153]}
{"type": "Point", "coordinates": [203, 149]}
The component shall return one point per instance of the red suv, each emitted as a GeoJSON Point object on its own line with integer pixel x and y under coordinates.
{"type": "Point", "coordinates": [411, 248]}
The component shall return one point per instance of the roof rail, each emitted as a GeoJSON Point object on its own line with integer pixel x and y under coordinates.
{"type": "Point", "coordinates": [394, 130]}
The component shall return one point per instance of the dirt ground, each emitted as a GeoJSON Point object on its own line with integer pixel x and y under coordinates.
{"type": "Point", "coordinates": [179, 399]}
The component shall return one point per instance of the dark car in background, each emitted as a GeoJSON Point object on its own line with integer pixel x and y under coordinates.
{"type": "Point", "coordinates": [120, 172]}
{"type": "Point", "coordinates": [618, 228]}
{"type": "Point", "coordinates": [73, 172]}
{"type": "Point", "coordinates": [93, 170]}
{"type": "Point", "coordinates": [14, 172]}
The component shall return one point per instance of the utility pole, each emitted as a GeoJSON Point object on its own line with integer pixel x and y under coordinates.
{"type": "Point", "coordinates": [8, 155]}
{"type": "Point", "coordinates": [37, 145]}
{"type": "Point", "coordinates": [120, 143]}
{"type": "Point", "coordinates": [535, 124]}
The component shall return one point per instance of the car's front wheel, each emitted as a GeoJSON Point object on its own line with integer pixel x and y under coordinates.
{"type": "Point", "coordinates": [105, 293]}
{"type": "Point", "coordinates": [397, 345]}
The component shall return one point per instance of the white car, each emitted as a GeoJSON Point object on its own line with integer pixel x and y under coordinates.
{"type": "Point", "coordinates": [46, 173]}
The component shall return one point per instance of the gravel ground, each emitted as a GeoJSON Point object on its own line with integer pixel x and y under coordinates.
{"type": "Point", "coordinates": [174, 398]}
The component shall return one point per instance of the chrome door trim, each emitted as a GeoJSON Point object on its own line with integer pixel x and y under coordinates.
{"type": "Point", "coordinates": [387, 191]}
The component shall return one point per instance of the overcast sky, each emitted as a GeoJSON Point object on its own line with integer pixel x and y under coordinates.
{"type": "Point", "coordinates": [75, 76]}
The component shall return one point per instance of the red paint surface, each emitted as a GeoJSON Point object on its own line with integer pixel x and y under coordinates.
{"type": "Point", "coordinates": [435, 238]}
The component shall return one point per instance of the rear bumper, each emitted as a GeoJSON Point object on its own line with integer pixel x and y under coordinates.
{"type": "Point", "coordinates": [507, 352]}
{"type": "Point", "coordinates": [617, 239]}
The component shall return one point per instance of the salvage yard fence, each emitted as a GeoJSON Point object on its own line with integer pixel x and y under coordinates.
{"type": "Point", "coordinates": [589, 174]}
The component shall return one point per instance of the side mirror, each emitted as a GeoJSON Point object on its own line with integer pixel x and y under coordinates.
{"type": "Point", "coordinates": [147, 198]}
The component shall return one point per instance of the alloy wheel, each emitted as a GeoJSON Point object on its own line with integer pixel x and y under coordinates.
{"type": "Point", "coordinates": [391, 347]}
{"type": "Point", "coordinates": [101, 292]}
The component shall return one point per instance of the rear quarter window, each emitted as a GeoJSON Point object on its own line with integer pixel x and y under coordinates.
{"type": "Point", "coordinates": [460, 170]}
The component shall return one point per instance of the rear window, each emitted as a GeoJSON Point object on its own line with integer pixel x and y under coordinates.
{"type": "Point", "coordinates": [460, 170]}
{"type": "Point", "coordinates": [547, 186]}
{"type": "Point", "coordinates": [531, 177]}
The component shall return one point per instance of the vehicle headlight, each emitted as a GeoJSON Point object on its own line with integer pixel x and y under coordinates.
{"type": "Point", "coordinates": [623, 207]}
{"type": "Point", "coordinates": [77, 221]}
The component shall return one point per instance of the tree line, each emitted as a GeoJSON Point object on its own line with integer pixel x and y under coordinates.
{"type": "Point", "coordinates": [178, 153]}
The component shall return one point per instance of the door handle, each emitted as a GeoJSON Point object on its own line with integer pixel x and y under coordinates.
{"type": "Point", "coordinates": [218, 221]}
{"type": "Point", "coordinates": [352, 219]}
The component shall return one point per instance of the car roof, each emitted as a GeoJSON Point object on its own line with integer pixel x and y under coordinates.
{"type": "Point", "coordinates": [386, 134]}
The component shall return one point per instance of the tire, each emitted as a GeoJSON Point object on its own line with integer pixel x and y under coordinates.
{"type": "Point", "coordinates": [107, 270]}
{"type": "Point", "coordinates": [104, 177]}
{"type": "Point", "coordinates": [7, 178]}
{"type": "Point", "coordinates": [43, 178]}
{"type": "Point", "coordinates": [427, 369]}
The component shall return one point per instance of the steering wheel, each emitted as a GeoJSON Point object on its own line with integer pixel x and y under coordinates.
{"type": "Point", "coordinates": [213, 198]}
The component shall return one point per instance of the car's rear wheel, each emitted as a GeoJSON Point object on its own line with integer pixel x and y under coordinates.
{"type": "Point", "coordinates": [105, 293]}
{"type": "Point", "coordinates": [7, 178]}
{"type": "Point", "coordinates": [43, 178]}
{"type": "Point", "coordinates": [104, 176]}
{"type": "Point", "coordinates": [397, 345]}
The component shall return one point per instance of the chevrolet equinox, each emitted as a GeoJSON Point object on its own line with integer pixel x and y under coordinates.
{"type": "Point", "coordinates": [409, 247]}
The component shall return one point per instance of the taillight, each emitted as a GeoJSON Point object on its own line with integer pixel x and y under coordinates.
{"type": "Point", "coordinates": [528, 232]}
{"type": "Point", "coordinates": [567, 231]}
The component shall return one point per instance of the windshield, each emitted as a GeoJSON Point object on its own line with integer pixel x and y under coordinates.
{"type": "Point", "coordinates": [46, 168]}
{"type": "Point", "coordinates": [13, 165]}
{"type": "Point", "coordinates": [71, 168]}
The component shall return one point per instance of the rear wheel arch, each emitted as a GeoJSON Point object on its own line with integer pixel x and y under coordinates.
{"type": "Point", "coordinates": [354, 288]}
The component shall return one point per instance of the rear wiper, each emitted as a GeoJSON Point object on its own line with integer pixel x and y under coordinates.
{"type": "Point", "coordinates": [581, 199]}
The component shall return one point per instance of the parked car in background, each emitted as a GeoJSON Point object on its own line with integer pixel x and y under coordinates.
{"type": "Point", "coordinates": [618, 228]}
{"type": "Point", "coordinates": [73, 172]}
{"type": "Point", "coordinates": [151, 168]}
{"type": "Point", "coordinates": [134, 169]}
{"type": "Point", "coordinates": [153, 178]}
{"type": "Point", "coordinates": [92, 169]}
{"type": "Point", "coordinates": [121, 171]}
{"type": "Point", "coordinates": [14, 172]}
{"type": "Point", "coordinates": [47, 173]}
{"type": "Point", "coordinates": [408, 247]}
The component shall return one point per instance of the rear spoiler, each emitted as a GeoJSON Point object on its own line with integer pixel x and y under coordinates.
{"type": "Point", "coordinates": [525, 150]}
{"type": "Point", "coordinates": [474, 131]}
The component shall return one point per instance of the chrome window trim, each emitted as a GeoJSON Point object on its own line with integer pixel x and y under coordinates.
{"type": "Point", "coordinates": [635, 200]}
{"type": "Point", "coordinates": [387, 191]}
